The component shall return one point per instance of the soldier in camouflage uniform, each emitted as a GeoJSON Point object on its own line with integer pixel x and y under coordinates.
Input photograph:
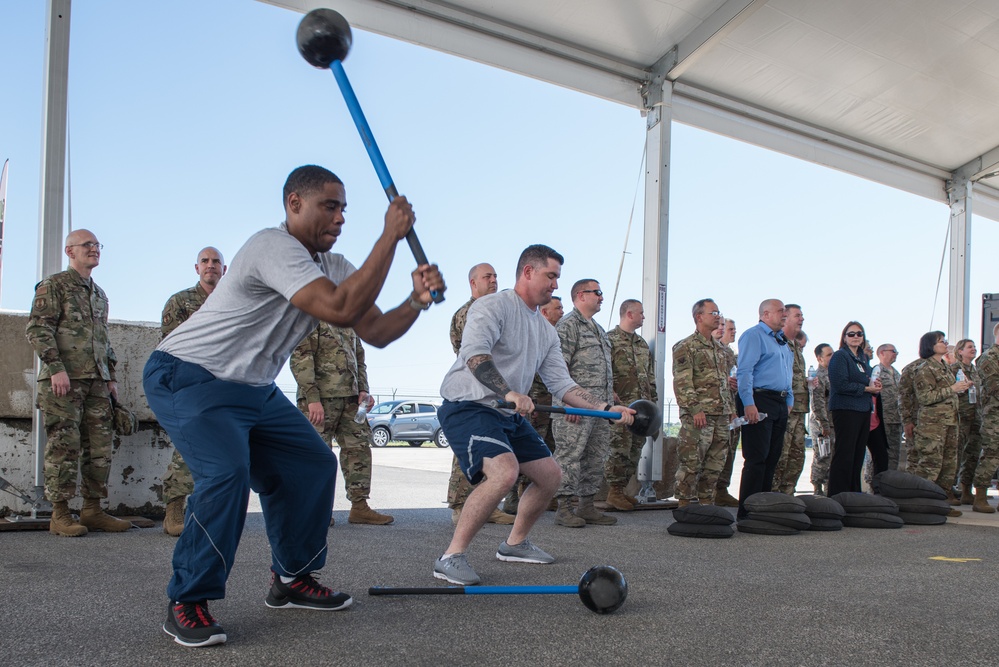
{"type": "Point", "coordinates": [700, 383]}
{"type": "Point", "coordinates": [68, 330]}
{"type": "Point", "coordinates": [891, 405]}
{"type": "Point", "coordinates": [634, 378]}
{"type": "Point", "coordinates": [582, 445]}
{"type": "Point", "coordinates": [969, 443]}
{"type": "Point", "coordinates": [177, 482]}
{"type": "Point", "coordinates": [820, 424]}
{"type": "Point", "coordinates": [541, 421]}
{"type": "Point", "coordinates": [722, 497]}
{"type": "Point", "coordinates": [792, 457]}
{"type": "Point", "coordinates": [332, 378]}
{"type": "Point", "coordinates": [988, 399]}
{"type": "Point", "coordinates": [482, 280]}
{"type": "Point", "coordinates": [935, 451]}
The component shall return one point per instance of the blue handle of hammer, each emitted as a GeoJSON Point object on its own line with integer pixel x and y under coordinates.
{"type": "Point", "coordinates": [566, 411]}
{"type": "Point", "coordinates": [354, 107]}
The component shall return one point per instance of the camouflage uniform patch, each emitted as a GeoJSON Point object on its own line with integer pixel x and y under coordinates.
{"type": "Point", "coordinates": [634, 373]}
{"type": "Point", "coordinates": [329, 368]}
{"type": "Point", "coordinates": [700, 383]}
{"type": "Point", "coordinates": [582, 448]}
{"type": "Point", "coordinates": [68, 330]}
{"type": "Point", "coordinates": [792, 457]}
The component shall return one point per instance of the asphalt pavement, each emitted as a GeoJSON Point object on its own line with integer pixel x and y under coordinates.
{"type": "Point", "coordinates": [912, 596]}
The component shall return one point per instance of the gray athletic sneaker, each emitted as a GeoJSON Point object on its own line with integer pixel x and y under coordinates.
{"type": "Point", "coordinates": [456, 570]}
{"type": "Point", "coordinates": [525, 552]}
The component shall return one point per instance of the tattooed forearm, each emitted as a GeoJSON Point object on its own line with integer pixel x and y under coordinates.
{"type": "Point", "coordinates": [584, 395]}
{"type": "Point", "coordinates": [485, 371]}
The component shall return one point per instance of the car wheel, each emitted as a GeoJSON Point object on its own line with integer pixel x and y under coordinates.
{"type": "Point", "coordinates": [440, 439]}
{"type": "Point", "coordinates": [380, 436]}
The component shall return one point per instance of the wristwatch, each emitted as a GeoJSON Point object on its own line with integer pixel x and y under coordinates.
{"type": "Point", "coordinates": [415, 304]}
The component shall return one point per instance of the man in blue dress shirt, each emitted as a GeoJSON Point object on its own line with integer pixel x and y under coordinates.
{"type": "Point", "coordinates": [764, 375]}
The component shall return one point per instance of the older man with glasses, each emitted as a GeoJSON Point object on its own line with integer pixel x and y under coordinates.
{"type": "Point", "coordinates": [765, 397]}
{"type": "Point", "coordinates": [891, 405]}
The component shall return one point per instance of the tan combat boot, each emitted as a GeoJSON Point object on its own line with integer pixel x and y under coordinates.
{"type": "Point", "coordinates": [173, 520]}
{"type": "Point", "coordinates": [724, 499]}
{"type": "Point", "coordinates": [361, 513]}
{"type": "Point", "coordinates": [500, 517]}
{"type": "Point", "coordinates": [952, 500]}
{"type": "Point", "coordinates": [967, 498]}
{"type": "Point", "coordinates": [62, 522]}
{"type": "Point", "coordinates": [588, 513]}
{"type": "Point", "coordinates": [682, 502]}
{"type": "Point", "coordinates": [94, 518]}
{"type": "Point", "coordinates": [565, 517]}
{"type": "Point", "coordinates": [617, 499]}
{"type": "Point", "coordinates": [981, 503]}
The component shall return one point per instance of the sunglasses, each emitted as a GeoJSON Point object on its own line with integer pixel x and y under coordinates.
{"type": "Point", "coordinates": [592, 291]}
{"type": "Point", "coordinates": [854, 334]}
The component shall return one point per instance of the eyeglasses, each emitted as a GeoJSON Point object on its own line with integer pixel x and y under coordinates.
{"type": "Point", "coordinates": [715, 313]}
{"type": "Point", "coordinates": [89, 245]}
{"type": "Point", "coordinates": [892, 351]}
{"type": "Point", "coordinates": [854, 334]}
{"type": "Point", "coordinates": [591, 291]}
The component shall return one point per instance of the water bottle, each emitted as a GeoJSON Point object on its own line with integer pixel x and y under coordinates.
{"type": "Point", "coordinates": [362, 412]}
{"type": "Point", "coordinates": [734, 372]}
{"type": "Point", "coordinates": [742, 421]}
{"type": "Point", "coordinates": [875, 374]}
{"type": "Point", "coordinates": [972, 394]}
{"type": "Point", "coordinates": [960, 375]}
{"type": "Point", "coordinates": [812, 373]}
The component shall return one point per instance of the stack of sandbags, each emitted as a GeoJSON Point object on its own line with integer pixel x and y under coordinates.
{"type": "Point", "coordinates": [825, 513]}
{"type": "Point", "coordinates": [772, 513]}
{"type": "Point", "coordinates": [702, 521]}
{"type": "Point", "coordinates": [920, 501]}
{"type": "Point", "coordinates": [864, 510]}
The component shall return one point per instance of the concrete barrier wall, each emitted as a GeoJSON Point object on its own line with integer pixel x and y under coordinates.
{"type": "Point", "coordinates": [139, 460]}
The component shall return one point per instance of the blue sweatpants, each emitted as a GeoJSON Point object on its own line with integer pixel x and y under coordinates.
{"type": "Point", "coordinates": [234, 438]}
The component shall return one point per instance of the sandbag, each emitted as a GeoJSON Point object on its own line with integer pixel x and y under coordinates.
{"type": "Point", "coordinates": [796, 520]}
{"type": "Point", "coordinates": [708, 530]}
{"type": "Point", "coordinates": [826, 524]}
{"type": "Point", "coordinates": [771, 501]}
{"type": "Point", "coordinates": [922, 519]}
{"type": "Point", "coordinates": [820, 507]}
{"type": "Point", "coordinates": [872, 520]}
{"type": "Point", "coordinates": [923, 506]}
{"type": "Point", "coordinates": [855, 502]}
{"type": "Point", "coordinates": [897, 484]}
{"type": "Point", "coordinates": [704, 514]}
{"type": "Point", "coordinates": [764, 528]}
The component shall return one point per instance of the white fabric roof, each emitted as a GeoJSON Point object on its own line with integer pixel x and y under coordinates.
{"type": "Point", "coordinates": [903, 92]}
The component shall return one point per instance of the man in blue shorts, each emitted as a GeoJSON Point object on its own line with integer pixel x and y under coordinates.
{"type": "Point", "coordinates": [211, 385]}
{"type": "Point", "coordinates": [506, 341]}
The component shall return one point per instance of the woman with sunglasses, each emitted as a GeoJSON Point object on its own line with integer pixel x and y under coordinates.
{"type": "Point", "coordinates": [934, 456]}
{"type": "Point", "coordinates": [969, 419]}
{"type": "Point", "coordinates": [850, 405]}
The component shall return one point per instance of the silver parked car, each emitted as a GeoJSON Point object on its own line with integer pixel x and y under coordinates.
{"type": "Point", "coordinates": [414, 422]}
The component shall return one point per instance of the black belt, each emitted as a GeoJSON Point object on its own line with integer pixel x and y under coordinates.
{"type": "Point", "coordinates": [771, 392]}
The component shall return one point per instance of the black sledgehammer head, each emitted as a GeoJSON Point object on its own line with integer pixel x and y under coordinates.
{"type": "Point", "coordinates": [323, 36]}
{"type": "Point", "coordinates": [603, 589]}
{"type": "Point", "coordinates": [648, 418]}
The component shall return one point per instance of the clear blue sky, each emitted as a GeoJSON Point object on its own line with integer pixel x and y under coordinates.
{"type": "Point", "coordinates": [186, 117]}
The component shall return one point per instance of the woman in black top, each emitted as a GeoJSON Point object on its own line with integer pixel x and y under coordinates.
{"type": "Point", "coordinates": [850, 404]}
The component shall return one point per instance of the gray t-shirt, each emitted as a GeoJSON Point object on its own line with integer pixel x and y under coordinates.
{"type": "Point", "coordinates": [521, 341]}
{"type": "Point", "coordinates": [248, 327]}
